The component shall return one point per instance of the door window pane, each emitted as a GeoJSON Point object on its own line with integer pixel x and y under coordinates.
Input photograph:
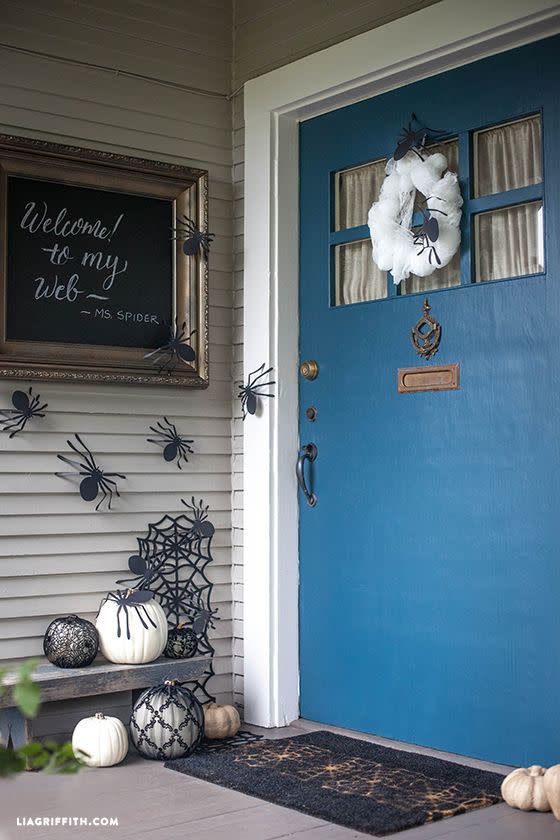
{"type": "Point", "coordinates": [441, 278]}
{"type": "Point", "coordinates": [508, 156]}
{"type": "Point", "coordinates": [509, 242]}
{"type": "Point", "coordinates": [357, 278]}
{"type": "Point", "coordinates": [355, 191]}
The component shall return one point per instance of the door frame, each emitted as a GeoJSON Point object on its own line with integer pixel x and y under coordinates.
{"type": "Point", "coordinates": [438, 38]}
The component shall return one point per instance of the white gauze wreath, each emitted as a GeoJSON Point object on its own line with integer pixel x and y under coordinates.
{"type": "Point", "coordinates": [389, 218]}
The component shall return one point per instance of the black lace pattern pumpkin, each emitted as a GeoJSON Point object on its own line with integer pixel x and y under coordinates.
{"type": "Point", "coordinates": [167, 721]}
{"type": "Point", "coordinates": [71, 642]}
{"type": "Point", "coordinates": [182, 642]}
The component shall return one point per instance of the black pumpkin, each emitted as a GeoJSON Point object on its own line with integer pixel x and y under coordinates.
{"type": "Point", "coordinates": [71, 642]}
{"type": "Point", "coordinates": [182, 643]}
{"type": "Point", "coordinates": [167, 722]}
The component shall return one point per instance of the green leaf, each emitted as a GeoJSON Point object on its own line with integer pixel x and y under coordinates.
{"type": "Point", "coordinates": [27, 697]}
{"type": "Point", "coordinates": [10, 762]}
{"type": "Point", "coordinates": [31, 749]}
{"type": "Point", "coordinates": [26, 669]}
{"type": "Point", "coordinates": [62, 759]}
{"type": "Point", "coordinates": [3, 688]}
{"type": "Point", "coordinates": [34, 754]}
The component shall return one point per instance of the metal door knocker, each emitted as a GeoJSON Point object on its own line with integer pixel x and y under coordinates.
{"type": "Point", "coordinates": [426, 334]}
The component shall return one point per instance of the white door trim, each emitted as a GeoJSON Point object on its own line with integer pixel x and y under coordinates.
{"type": "Point", "coordinates": [445, 35]}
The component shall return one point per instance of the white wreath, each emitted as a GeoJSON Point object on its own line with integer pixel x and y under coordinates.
{"type": "Point", "coordinates": [393, 243]}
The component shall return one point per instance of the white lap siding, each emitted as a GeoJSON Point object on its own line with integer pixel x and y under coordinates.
{"type": "Point", "coordinates": [57, 555]}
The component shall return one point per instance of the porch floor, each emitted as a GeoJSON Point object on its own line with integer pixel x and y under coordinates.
{"type": "Point", "coordinates": [151, 801]}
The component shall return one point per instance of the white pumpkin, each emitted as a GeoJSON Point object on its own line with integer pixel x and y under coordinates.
{"type": "Point", "coordinates": [552, 789]}
{"type": "Point", "coordinates": [220, 721]}
{"type": "Point", "coordinates": [132, 627]}
{"type": "Point", "coordinates": [524, 789]}
{"type": "Point", "coordinates": [100, 741]}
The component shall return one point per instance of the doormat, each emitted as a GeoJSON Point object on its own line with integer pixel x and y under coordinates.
{"type": "Point", "coordinates": [353, 783]}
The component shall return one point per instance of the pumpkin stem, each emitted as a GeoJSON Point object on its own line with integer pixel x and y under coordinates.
{"type": "Point", "coordinates": [170, 682]}
{"type": "Point", "coordinates": [99, 716]}
{"type": "Point", "coordinates": [536, 770]}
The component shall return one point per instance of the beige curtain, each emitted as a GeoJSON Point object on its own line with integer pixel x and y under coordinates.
{"type": "Point", "coordinates": [508, 157]}
{"type": "Point", "coordinates": [508, 242]}
{"type": "Point", "coordinates": [357, 276]}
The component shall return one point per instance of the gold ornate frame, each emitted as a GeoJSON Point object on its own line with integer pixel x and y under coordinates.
{"type": "Point", "coordinates": [186, 188]}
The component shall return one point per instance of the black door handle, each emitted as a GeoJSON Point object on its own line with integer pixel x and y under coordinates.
{"type": "Point", "coordinates": [308, 453]}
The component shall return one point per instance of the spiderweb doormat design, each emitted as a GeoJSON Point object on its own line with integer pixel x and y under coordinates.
{"type": "Point", "coordinates": [356, 784]}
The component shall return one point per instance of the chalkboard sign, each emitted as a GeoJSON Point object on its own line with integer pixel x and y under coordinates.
{"type": "Point", "coordinates": [87, 266]}
{"type": "Point", "coordinates": [93, 278]}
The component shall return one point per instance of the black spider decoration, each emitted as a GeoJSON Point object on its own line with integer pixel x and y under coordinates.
{"type": "Point", "coordinates": [201, 525]}
{"type": "Point", "coordinates": [145, 571]}
{"type": "Point", "coordinates": [412, 139]}
{"type": "Point", "coordinates": [176, 349]}
{"type": "Point", "coordinates": [25, 407]}
{"type": "Point", "coordinates": [200, 616]}
{"type": "Point", "coordinates": [95, 479]}
{"type": "Point", "coordinates": [249, 393]}
{"type": "Point", "coordinates": [175, 446]}
{"type": "Point", "coordinates": [135, 598]}
{"type": "Point", "coordinates": [428, 233]}
{"type": "Point", "coordinates": [195, 239]}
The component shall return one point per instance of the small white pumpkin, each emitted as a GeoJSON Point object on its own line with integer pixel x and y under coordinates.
{"type": "Point", "coordinates": [100, 741]}
{"type": "Point", "coordinates": [524, 789]}
{"type": "Point", "coordinates": [552, 789]}
{"type": "Point", "coordinates": [220, 721]}
{"type": "Point", "coordinates": [132, 627]}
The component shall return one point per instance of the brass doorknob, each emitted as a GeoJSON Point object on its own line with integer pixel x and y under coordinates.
{"type": "Point", "coordinates": [309, 369]}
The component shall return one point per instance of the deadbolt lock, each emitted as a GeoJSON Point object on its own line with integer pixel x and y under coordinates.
{"type": "Point", "coordinates": [309, 369]}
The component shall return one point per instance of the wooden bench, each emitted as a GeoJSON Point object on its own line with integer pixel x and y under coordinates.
{"type": "Point", "coordinates": [100, 678]}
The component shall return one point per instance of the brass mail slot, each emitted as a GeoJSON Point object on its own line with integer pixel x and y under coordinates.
{"type": "Point", "coordinates": [441, 378]}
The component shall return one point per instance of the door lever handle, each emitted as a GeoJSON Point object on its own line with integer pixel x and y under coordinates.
{"type": "Point", "coordinates": [308, 453]}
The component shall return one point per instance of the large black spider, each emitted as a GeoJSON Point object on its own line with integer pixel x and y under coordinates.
{"type": "Point", "coordinates": [428, 233]}
{"type": "Point", "coordinates": [145, 571]}
{"type": "Point", "coordinates": [95, 478]}
{"type": "Point", "coordinates": [175, 446]}
{"type": "Point", "coordinates": [201, 525]}
{"type": "Point", "coordinates": [176, 349]}
{"type": "Point", "coordinates": [25, 407]}
{"type": "Point", "coordinates": [201, 617]}
{"type": "Point", "coordinates": [195, 239]}
{"type": "Point", "coordinates": [411, 139]}
{"type": "Point", "coordinates": [135, 598]}
{"type": "Point", "coordinates": [249, 393]}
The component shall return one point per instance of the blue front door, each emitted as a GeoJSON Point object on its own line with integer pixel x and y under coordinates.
{"type": "Point", "coordinates": [430, 566]}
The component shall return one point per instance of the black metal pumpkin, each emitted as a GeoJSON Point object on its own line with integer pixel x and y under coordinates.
{"type": "Point", "coordinates": [182, 643]}
{"type": "Point", "coordinates": [167, 721]}
{"type": "Point", "coordinates": [71, 642]}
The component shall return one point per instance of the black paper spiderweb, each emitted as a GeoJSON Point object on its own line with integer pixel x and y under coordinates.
{"type": "Point", "coordinates": [171, 562]}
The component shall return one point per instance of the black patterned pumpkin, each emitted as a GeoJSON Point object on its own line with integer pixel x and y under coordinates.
{"type": "Point", "coordinates": [167, 721]}
{"type": "Point", "coordinates": [182, 643]}
{"type": "Point", "coordinates": [71, 642]}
